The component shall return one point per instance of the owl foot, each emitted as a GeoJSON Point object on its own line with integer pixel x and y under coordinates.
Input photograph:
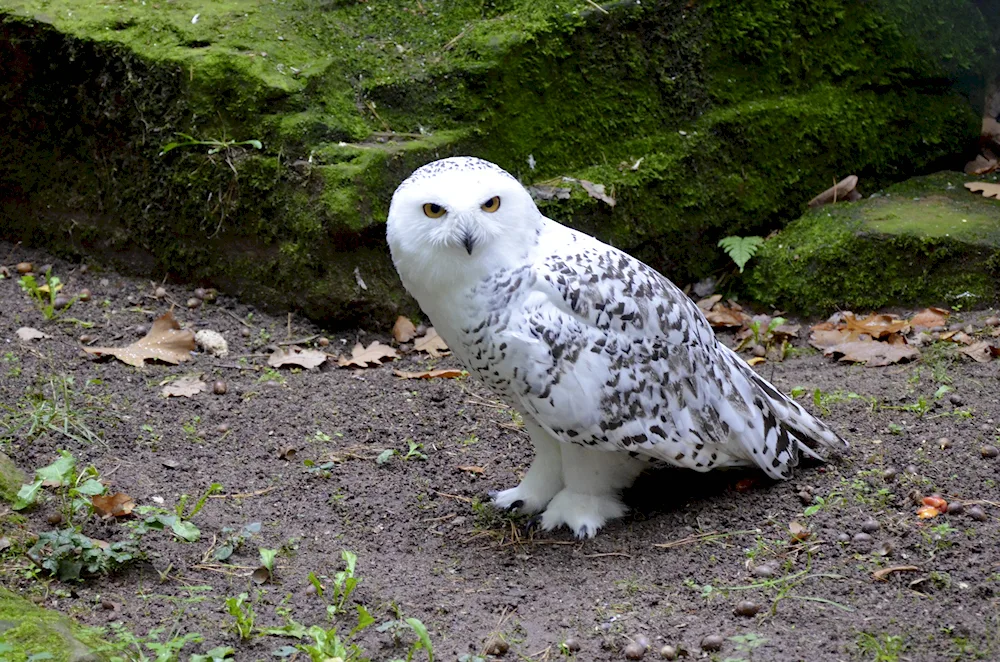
{"type": "Point", "coordinates": [525, 498]}
{"type": "Point", "coordinates": [584, 514]}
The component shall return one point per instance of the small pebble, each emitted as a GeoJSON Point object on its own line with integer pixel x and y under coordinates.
{"type": "Point", "coordinates": [885, 548]}
{"type": "Point", "coordinates": [160, 292]}
{"type": "Point", "coordinates": [976, 513]}
{"type": "Point", "coordinates": [496, 646]}
{"type": "Point", "coordinates": [912, 469]}
{"type": "Point", "coordinates": [107, 604]}
{"type": "Point", "coordinates": [759, 351]}
{"type": "Point", "coordinates": [955, 508]}
{"type": "Point", "coordinates": [668, 652]}
{"type": "Point", "coordinates": [222, 428]}
{"type": "Point", "coordinates": [572, 645]}
{"type": "Point", "coordinates": [843, 537]}
{"type": "Point", "coordinates": [193, 302]}
{"type": "Point", "coordinates": [956, 399]}
{"type": "Point", "coordinates": [870, 526]}
{"type": "Point", "coordinates": [84, 268]}
{"type": "Point", "coordinates": [141, 330]}
{"type": "Point", "coordinates": [60, 302]}
{"type": "Point", "coordinates": [890, 474]}
{"type": "Point", "coordinates": [989, 451]}
{"type": "Point", "coordinates": [712, 642]}
{"type": "Point", "coordinates": [764, 571]}
{"type": "Point", "coordinates": [746, 608]}
{"type": "Point", "coordinates": [634, 651]}
{"type": "Point", "coordinates": [54, 519]}
{"type": "Point", "coordinates": [201, 293]}
{"type": "Point", "coordinates": [310, 590]}
{"type": "Point", "coordinates": [862, 538]}
{"type": "Point", "coordinates": [86, 339]}
{"type": "Point", "coordinates": [25, 267]}
{"type": "Point", "coordinates": [944, 443]}
{"type": "Point", "coordinates": [805, 498]}
{"type": "Point", "coordinates": [643, 641]}
{"type": "Point", "coordinates": [84, 295]}
{"type": "Point", "coordinates": [323, 341]}
{"type": "Point", "coordinates": [245, 332]}
{"type": "Point", "coordinates": [219, 387]}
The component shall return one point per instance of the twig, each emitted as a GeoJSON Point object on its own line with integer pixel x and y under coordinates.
{"type": "Point", "coordinates": [702, 537]}
{"type": "Point", "coordinates": [298, 341]}
{"type": "Point", "coordinates": [288, 334]}
{"type": "Point", "coordinates": [602, 554]}
{"type": "Point", "coordinates": [453, 496]}
{"type": "Point", "coordinates": [243, 495]}
{"type": "Point", "coordinates": [451, 44]}
{"type": "Point", "coordinates": [880, 575]}
{"type": "Point", "coordinates": [236, 366]}
{"type": "Point", "coordinates": [597, 7]}
{"type": "Point", "coordinates": [237, 318]}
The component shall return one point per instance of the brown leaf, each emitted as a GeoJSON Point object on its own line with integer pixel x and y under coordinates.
{"type": "Point", "coordinates": [826, 338]}
{"type": "Point", "coordinates": [839, 192]}
{"type": "Point", "coordinates": [980, 165]}
{"type": "Point", "coordinates": [754, 360]}
{"type": "Point", "coordinates": [446, 373]}
{"type": "Point", "coordinates": [304, 358]}
{"type": "Point", "coordinates": [928, 318]}
{"type": "Point", "coordinates": [403, 330]}
{"type": "Point", "coordinates": [362, 357]}
{"type": "Point", "coordinates": [961, 337]}
{"type": "Point", "coordinates": [707, 303]}
{"type": "Point", "coordinates": [113, 505]}
{"type": "Point", "coordinates": [166, 341]}
{"type": "Point", "coordinates": [597, 191]}
{"type": "Point", "coordinates": [798, 531]}
{"type": "Point", "coordinates": [27, 334]}
{"type": "Point", "coordinates": [431, 343]}
{"type": "Point", "coordinates": [472, 469]}
{"type": "Point", "coordinates": [873, 354]}
{"type": "Point", "coordinates": [882, 573]}
{"type": "Point", "coordinates": [987, 189]}
{"type": "Point", "coordinates": [982, 351]}
{"type": "Point", "coordinates": [724, 316]}
{"type": "Point", "coordinates": [186, 387]}
{"type": "Point", "coordinates": [876, 326]}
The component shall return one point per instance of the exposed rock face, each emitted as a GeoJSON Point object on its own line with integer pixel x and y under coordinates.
{"type": "Point", "coordinates": [700, 119]}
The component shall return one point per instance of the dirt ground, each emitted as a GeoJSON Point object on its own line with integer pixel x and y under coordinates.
{"type": "Point", "coordinates": [675, 571]}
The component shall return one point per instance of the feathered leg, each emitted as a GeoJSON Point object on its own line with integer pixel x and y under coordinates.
{"type": "Point", "coordinates": [544, 478]}
{"type": "Point", "coordinates": [594, 480]}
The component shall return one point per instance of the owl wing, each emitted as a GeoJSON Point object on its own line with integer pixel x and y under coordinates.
{"type": "Point", "coordinates": [600, 349]}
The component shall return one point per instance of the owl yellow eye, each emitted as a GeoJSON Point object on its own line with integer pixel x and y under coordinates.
{"type": "Point", "coordinates": [492, 204]}
{"type": "Point", "coordinates": [432, 210]}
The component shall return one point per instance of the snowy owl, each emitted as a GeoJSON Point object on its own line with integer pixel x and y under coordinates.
{"type": "Point", "coordinates": [610, 365]}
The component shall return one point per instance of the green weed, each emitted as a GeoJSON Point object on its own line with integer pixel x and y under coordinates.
{"type": "Point", "coordinates": [243, 614]}
{"type": "Point", "coordinates": [884, 648]}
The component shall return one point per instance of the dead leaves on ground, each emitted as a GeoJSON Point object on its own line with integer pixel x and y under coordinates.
{"type": "Point", "coordinates": [166, 341]}
{"type": "Point", "coordinates": [303, 358]}
{"type": "Point", "coordinates": [432, 343]}
{"type": "Point", "coordinates": [363, 357]}
{"type": "Point", "coordinates": [987, 189]}
{"type": "Point", "coordinates": [881, 339]}
{"type": "Point", "coordinates": [184, 387]}
{"type": "Point", "coordinates": [445, 373]}
{"type": "Point", "coordinates": [112, 505]}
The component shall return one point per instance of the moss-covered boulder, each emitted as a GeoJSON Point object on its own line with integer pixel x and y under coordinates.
{"type": "Point", "coordinates": [28, 631]}
{"type": "Point", "coordinates": [11, 479]}
{"type": "Point", "coordinates": [702, 119]}
{"type": "Point", "coordinates": [928, 240]}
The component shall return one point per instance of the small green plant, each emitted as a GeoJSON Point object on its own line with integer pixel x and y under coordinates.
{"type": "Point", "coordinates": [179, 521]}
{"type": "Point", "coordinates": [217, 654]}
{"type": "Point", "coordinates": [741, 249]}
{"type": "Point", "coordinates": [885, 648]}
{"type": "Point", "coordinates": [75, 488]}
{"type": "Point", "coordinates": [242, 611]}
{"type": "Point", "coordinates": [51, 409]}
{"type": "Point", "coordinates": [70, 555]}
{"type": "Point", "coordinates": [344, 583]}
{"type": "Point", "coordinates": [415, 452]}
{"type": "Point", "coordinates": [400, 626]}
{"type": "Point", "coordinates": [267, 560]}
{"type": "Point", "coordinates": [234, 539]}
{"type": "Point", "coordinates": [214, 146]}
{"type": "Point", "coordinates": [164, 648]}
{"type": "Point", "coordinates": [45, 294]}
{"type": "Point", "coordinates": [271, 375]}
{"type": "Point", "coordinates": [746, 643]}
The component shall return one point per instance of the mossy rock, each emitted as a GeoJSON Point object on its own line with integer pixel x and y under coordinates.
{"type": "Point", "coordinates": [27, 629]}
{"type": "Point", "coordinates": [776, 97]}
{"type": "Point", "coordinates": [11, 478]}
{"type": "Point", "coordinates": [925, 241]}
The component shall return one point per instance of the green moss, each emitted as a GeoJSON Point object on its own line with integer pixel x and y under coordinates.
{"type": "Point", "coordinates": [11, 478]}
{"type": "Point", "coordinates": [926, 241]}
{"type": "Point", "coordinates": [27, 630]}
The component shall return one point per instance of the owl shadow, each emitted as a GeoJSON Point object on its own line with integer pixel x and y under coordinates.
{"type": "Point", "coordinates": [668, 489]}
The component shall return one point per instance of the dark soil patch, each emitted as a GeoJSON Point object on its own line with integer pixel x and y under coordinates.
{"type": "Point", "coordinates": [426, 551]}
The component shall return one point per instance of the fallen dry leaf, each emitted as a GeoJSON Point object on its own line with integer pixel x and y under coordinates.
{"type": "Point", "coordinates": [113, 505]}
{"type": "Point", "coordinates": [876, 326]}
{"type": "Point", "coordinates": [929, 318]}
{"type": "Point", "coordinates": [980, 165]}
{"type": "Point", "coordinates": [881, 574]}
{"type": "Point", "coordinates": [304, 358]}
{"type": "Point", "coordinates": [798, 531]}
{"type": "Point", "coordinates": [596, 191]}
{"type": "Point", "coordinates": [872, 353]}
{"type": "Point", "coordinates": [27, 334]}
{"type": "Point", "coordinates": [755, 360]}
{"type": "Point", "coordinates": [185, 387]}
{"type": "Point", "coordinates": [981, 352]}
{"type": "Point", "coordinates": [403, 330]}
{"type": "Point", "coordinates": [842, 191]}
{"type": "Point", "coordinates": [987, 189]}
{"type": "Point", "coordinates": [166, 341]}
{"type": "Point", "coordinates": [362, 357]}
{"type": "Point", "coordinates": [446, 373]}
{"type": "Point", "coordinates": [472, 469]}
{"type": "Point", "coordinates": [720, 314]}
{"type": "Point", "coordinates": [431, 343]}
{"type": "Point", "coordinates": [826, 338]}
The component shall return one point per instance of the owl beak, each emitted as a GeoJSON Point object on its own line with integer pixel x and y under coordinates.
{"type": "Point", "coordinates": [468, 242]}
